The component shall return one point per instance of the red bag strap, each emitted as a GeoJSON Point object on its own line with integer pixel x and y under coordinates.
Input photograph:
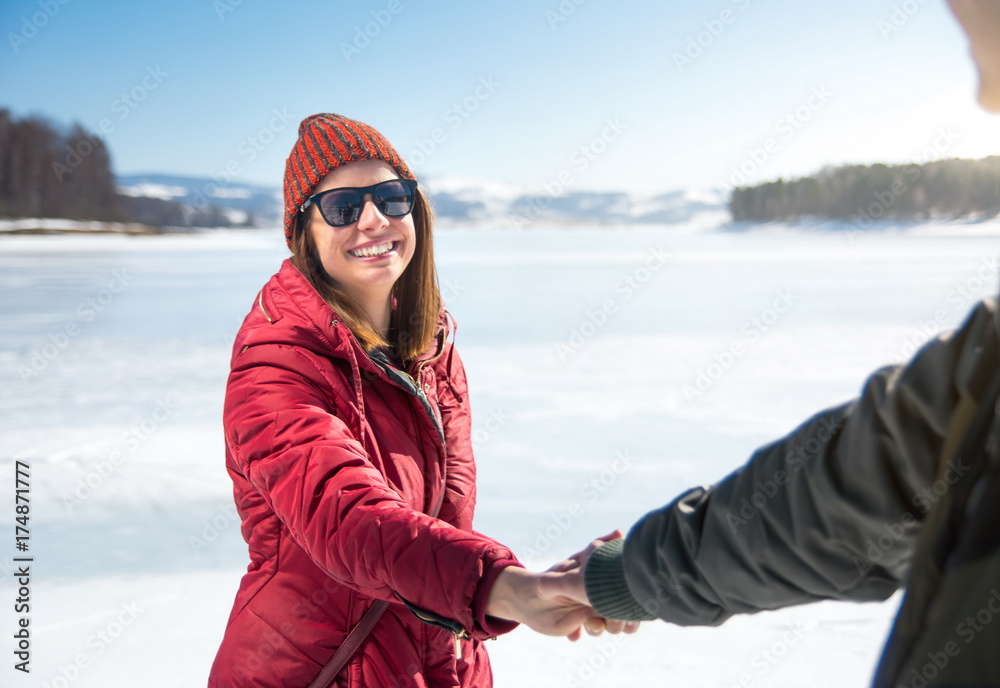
{"type": "Point", "coordinates": [354, 639]}
{"type": "Point", "coordinates": [350, 646]}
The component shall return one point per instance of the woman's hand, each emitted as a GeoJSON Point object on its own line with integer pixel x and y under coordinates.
{"type": "Point", "coordinates": [515, 597]}
{"type": "Point", "coordinates": [554, 602]}
{"type": "Point", "coordinates": [565, 580]}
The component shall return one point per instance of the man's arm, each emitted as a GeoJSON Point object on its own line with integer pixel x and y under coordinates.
{"type": "Point", "coordinates": [831, 511]}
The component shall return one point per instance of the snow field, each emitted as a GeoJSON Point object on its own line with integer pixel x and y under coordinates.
{"type": "Point", "coordinates": [609, 371]}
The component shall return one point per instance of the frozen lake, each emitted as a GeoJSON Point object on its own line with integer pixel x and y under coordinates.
{"type": "Point", "coordinates": [609, 370]}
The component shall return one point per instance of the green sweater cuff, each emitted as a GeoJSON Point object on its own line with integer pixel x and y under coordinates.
{"type": "Point", "coordinates": [607, 589]}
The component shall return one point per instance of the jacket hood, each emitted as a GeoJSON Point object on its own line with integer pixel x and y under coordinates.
{"type": "Point", "coordinates": [289, 311]}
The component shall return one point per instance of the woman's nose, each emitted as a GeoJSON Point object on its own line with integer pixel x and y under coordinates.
{"type": "Point", "coordinates": [371, 218]}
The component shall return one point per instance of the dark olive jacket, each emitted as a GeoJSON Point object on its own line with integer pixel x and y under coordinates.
{"type": "Point", "coordinates": [897, 488]}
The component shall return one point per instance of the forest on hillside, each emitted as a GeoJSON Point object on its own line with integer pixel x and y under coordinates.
{"type": "Point", "coordinates": [52, 172]}
{"type": "Point", "coordinates": [864, 194]}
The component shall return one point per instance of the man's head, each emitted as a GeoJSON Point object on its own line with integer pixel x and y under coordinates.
{"type": "Point", "coordinates": [981, 21]}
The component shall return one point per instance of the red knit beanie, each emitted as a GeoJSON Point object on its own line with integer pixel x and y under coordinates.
{"type": "Point", "coordinates": [327, 141]}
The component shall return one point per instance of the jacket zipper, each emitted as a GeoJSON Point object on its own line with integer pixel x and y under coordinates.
{"type": "Point", "coordinates": [439, 621]}
{"type": "Point", "coordinates": [455, 628]}
{"type": "Point", "coordinates": [428, 409]}
{"type": "Point", "coordinates": [426, 403]}
{"type": "Point", "coordinates": [260, 302]}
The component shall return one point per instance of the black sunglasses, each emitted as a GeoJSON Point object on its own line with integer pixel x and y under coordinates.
{"type": "Point", "coordinates": [340, 207]}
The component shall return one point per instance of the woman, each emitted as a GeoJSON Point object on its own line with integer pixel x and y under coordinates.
{"type": "Point", "coordinates": [348, 441]}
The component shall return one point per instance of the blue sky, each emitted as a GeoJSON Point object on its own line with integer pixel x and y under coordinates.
{"type": "Point", "coordinates": [565, 95]}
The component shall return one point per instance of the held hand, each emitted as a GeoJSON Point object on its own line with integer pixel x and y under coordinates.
{"type": "Point", "coordinates": [571, 583]}
{"type": "Point", "coordinates": [515, 597]}
{"type": "Point", "coordinates": [565, 580]}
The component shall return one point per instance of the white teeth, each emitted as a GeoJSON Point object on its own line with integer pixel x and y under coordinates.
{"type": "Point", "coordinates": [373, 250]}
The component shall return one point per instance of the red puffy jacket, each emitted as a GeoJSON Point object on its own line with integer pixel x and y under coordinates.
{"type": "Point", "coordinates": [335, 466]}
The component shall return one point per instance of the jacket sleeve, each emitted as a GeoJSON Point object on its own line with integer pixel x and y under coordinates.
{"type": "Point", "coordinates": [316, 477]}
{"type": "Point", "coordinates": [832, 511]}
{"type": "Point", "coordinates": [459, 502]}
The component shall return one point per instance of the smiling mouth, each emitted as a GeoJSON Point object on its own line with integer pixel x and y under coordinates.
{"type": "Point", "coordinates": [373, 251]}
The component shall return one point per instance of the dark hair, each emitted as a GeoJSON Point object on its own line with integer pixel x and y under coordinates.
{"type": "Point", "coordinates": [414, 318]}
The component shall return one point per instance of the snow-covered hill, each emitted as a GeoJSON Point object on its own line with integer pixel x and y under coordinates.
{"type": "Point", "coordinates": [473, 200]}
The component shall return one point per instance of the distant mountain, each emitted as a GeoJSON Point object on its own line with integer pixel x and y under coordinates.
{"type": "Point", "coordinates": [454, 199]}
{"type": "Point", "coordinates": [262, 204]}
{"type": "Point", "coordinates": [471, 200]}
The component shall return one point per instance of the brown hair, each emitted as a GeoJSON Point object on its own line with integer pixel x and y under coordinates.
{"type": "Point", "coordinates": [418, 300]}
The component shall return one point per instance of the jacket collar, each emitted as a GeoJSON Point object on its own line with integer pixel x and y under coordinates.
{"type": "Point", "coordinates": [289, 311]}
